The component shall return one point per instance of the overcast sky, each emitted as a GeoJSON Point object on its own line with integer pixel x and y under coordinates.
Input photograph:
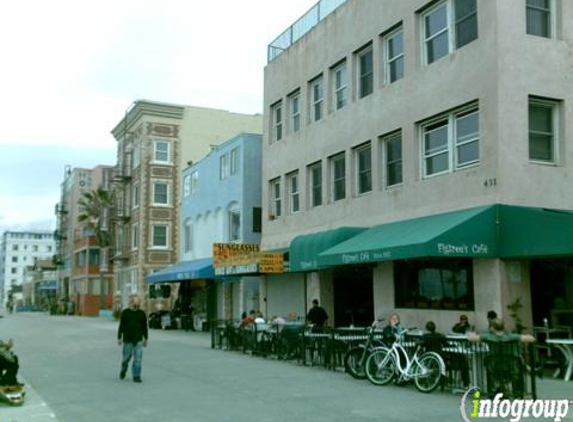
{"type": "Point", "coordinates": [70, 69]}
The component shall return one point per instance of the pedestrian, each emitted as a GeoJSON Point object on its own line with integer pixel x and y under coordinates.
{"type": "Point", "coordinates": [462, 326]}
{"type": "Point", "coordinates": [133, 335]}
{"type": "Point", "coordinates": [317, 316]}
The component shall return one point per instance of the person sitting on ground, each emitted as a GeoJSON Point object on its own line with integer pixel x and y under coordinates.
{"type": "Point", "coordinates": [462, 326]}
{"type": "Point", "coordinates": [393, 328]}
{"type": "Point", "coordinates": [8, 364]}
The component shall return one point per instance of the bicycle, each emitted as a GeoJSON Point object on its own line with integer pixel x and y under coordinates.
{"type": "Point", "coordinates": [355, 358]}
{"type": "Point", "coordinates": [425, 368]}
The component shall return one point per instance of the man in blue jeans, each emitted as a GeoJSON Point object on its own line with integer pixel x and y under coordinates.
{"type": "Point", "coordinates": [132, 333]}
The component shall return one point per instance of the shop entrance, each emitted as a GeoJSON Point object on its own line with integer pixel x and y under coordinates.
{"type": "Point", "coordinates": [549, 285]}
{"type": "Point", "coordinates": [353, 296]}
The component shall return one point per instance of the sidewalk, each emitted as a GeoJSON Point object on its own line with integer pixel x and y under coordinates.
{"type": "Point", "coordinates": [34, 409]}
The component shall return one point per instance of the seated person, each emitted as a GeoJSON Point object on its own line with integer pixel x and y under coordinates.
{"type": "Point", "coordinates": [8, 364]}
{"type": "Point", "coordinates": [393, 328]}
{"type": "Point", "coordinates": [432, 340]}
{"type": "Point", "coordinates": [462, 326]}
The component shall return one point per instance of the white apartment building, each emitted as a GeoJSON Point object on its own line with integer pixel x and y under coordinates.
{"type": "Point", "coordinates": [18, 250]}
{"type": "Point", "coordinates": [418, 156]}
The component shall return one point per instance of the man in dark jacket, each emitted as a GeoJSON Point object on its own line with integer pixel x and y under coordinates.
{"type": "Point", "coordinates": [132, 333]}
{"type": "Point", "coordinates": [317, 316]}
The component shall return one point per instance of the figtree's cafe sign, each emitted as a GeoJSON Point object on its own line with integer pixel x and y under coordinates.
{"type": "Point", "coordinates": [236, 258]}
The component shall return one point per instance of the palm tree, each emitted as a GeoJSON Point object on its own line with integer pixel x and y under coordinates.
{"type": "Point", "coordinates": [95, 207]}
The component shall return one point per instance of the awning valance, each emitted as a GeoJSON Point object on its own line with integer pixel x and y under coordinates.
{"type": "Point", "coordinates": [186, 270]}
{"type": "Point", "coordinates": [304, 250]}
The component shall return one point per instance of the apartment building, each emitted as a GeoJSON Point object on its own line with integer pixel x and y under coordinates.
{"type": "Point", "coordinates": [155, 142]}
{"type": "Point", "coordinates": [18, 250]}
{"type": "Point", "coordinates": [417, 157]}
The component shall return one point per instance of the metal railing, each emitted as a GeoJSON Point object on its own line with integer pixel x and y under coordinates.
{"type": "Point", "coordinates": [301, 27]}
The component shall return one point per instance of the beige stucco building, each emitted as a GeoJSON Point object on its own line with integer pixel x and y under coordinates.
{"type": "Point", "coordinates": [393, 110]}
{"type": "Point", "coordinates": [156, 141]}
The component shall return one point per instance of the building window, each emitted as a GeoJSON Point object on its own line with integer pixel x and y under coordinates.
{"type": "Point", "coordinates": [338, 177]}
{"type": "Point", "coordinates": [186, 185]}
{"type": "Point", "coordinates": [257, 220]}
{"type": "Point", "coordinates": [160, 193]}
{"type": "Point", "coordinates": [340, 86]}
{"type": "Point", "coordinates": [135, 196]}
{"type": "Point", "coordinates": [294, 194]}
{"type": "Point", "coordinates": [14, 270]}
{"type": "Point", "coordinates": [135, 236]}
{"type": "Point", "coordinates": [161, 153]}
{"type": "Point", "coordinates": [315, 177]}
{"type": "Point", "coordinates": [543, 116]}
{"type": "Point", "coordinates": [434, 284]}
{"type": "Point", "coordinates": [14, 247]}
{"type": "Point", "coordinates": [365, 72]}
{"type": "Point", "coordinates": [394, 48]}
{"type": "Point", "coordinates": [538, 17]}
{"type": "Point", "coordinates": [277, 125]}
{"type": "Point", "coordinates": [136, 156]}
{"type": "Point", "coordinates": [234, 225]}
{"type": "Point", "coordinates": [188, 234]}
{"type": "Point", "coordinates": [234, 160]}
{"type": "Point", "coordinates": [275, 188]}
{"type": "Point", "coordinates": [14, 259]}
{"type": "Point", "coordinates": [451, 142]}
{"type": "Point", "coordinates": [363, 162]}
{"type": "Point", "coordinates": [159, 236]}
{"type": "Point", "coordinates": [294, 100]}
{"type": "Point", "coordinates": [392, 147]}
{"type": "Point", "coordinates": [194, 182]}
{"type": "Point", "coordinates": [317, 96]}
{"type": "Point", "coordinates": [449, 25]}
{"type": "Point", "coordinates": [223, 166]}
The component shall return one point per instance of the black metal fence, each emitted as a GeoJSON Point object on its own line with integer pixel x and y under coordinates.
{"type": "Point", "coordinates": [492, 366]}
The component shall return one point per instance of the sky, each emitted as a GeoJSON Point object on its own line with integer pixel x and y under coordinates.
{"type": "Point", "coordinates": [71, 68]}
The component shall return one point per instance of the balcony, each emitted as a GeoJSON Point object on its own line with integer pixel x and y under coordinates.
{"type": "Point", "coordinates": [60, 209]}
{"type": "Point", "coordinates": [59, 235]}
{"type": "Point", "coordinates": [301, 27]}
{"type": "Point", "coordinates": [121, 213]}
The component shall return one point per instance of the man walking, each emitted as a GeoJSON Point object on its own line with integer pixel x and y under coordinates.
{"type": "Point", "coordinates": [132, 333]}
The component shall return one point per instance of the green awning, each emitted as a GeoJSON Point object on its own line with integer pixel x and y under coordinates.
{"type": "Point", "coordinates": [466, 233]}
{"type": "Point", "coordinates": [535, 232]}
{"type": "Point", "coordinates": [304, 249]}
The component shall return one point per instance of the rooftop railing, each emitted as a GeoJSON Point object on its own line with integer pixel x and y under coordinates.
{"type": "Point", "coordinates": [303, 25]}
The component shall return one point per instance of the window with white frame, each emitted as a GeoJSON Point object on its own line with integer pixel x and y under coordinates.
{"type": "Point", "coordinates": [394, 55]}
{"type": "Point", "coordinates": [294, 193]}
{"type": "Point", "coordinates": [234, 160]}
{"type": "Point", "coordinates": [451, 142]}
{"type": "Point", "coordinates": [392, 148]}
{"type": "Point", "coordinates": [338, 177]}
{"type": "Point", "coordinates": [160, 193]}
{"type": "Point", "coordinates": [363, 166]}
{"type": "Point", "coordinates": [543, 135]}
{"type": "Point", "coordinates": [447, 26]}
{"type": "Point", "coordinates": [275, 197]}
{"type": "Point", "coordinates": [234, 224]}
{"type": "Point", "coordinates": [135, 196]}
{"type": "Point", "coordinates": [186, 185]}
{"type": "Point", "coordinates": [135, 236]}
{"type": "Point", "coordinates": [340, 85]}
{"type": "Point", "coordinates": [277, 121]}
{"type": "Point", "coordinates": [539, 17]}
{"type": "Point", "coordinates": [188, 235]}
{"type": "Point", "coordinates": [159, 235]}
{"type": "Point", "coordinates": [194, 182]}
{"type": "Point", "coordinates": [223, 166]}
{"type": "Point", "coordinates": [365, 72]}
{"type": "Point", "coordinates": [317, 98]}
{"type": "Point", "coordinates": [136, 155]}
{"type": "Point", "coordinates": [161, 152]}
{"type": "Point", "coordinates": [315, 180]}
{"type": "Point", "coordinates": [294, 101]}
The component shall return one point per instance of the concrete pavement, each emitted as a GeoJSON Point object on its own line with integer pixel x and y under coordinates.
{"type": "Point", "coordinates": [72, 365]}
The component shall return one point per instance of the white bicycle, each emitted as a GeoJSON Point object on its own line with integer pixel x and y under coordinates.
{"type": "Point", "coordinates": [425, 368]}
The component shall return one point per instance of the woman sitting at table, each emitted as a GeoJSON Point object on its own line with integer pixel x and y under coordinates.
{"type": "Point", "coordinates": [393, 328]}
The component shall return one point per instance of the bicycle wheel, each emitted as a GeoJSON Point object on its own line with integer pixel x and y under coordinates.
{"type": "Point", "coordinates": [354, 362]}
{"type": "Point", "coordinates": [428, 373]}
{"type": "Point", "coordinates": [380, 367]}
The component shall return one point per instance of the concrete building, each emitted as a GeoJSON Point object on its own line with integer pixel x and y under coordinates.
{"type": "Point", "coordinates": [155, 142]}
{"type": "Point", "coordinates": [414, 151]}
{"type": "Point", "coordinates": [78, 255]}
{"type": "Point", "coordinates": [18, 250]}
{"type": "Point", "coordinates": [40, 286]}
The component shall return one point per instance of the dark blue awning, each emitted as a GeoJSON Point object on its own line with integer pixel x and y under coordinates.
{"type": "Point", "coordinates": [186, 270]}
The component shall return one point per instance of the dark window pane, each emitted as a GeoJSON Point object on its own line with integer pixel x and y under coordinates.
{"type": "Point", "coordinates": [436, 21]}
{"type": "Point", "coordinates": [394, 149]}
{"type": "Point", "coordinates": [436, 139]}
{"type": "Point", "coordinates": [437, 164]}
{"type": "Point", "coordinates": [540, 118]}
{"type": "Point", "coordinates": [395, 46]}
{"type": "Point", "coordinates": [394, 173]}
{"type": "Point", "coordinates": [257, 219]}
{"type": "Point", "coordinates": [437, 47]}
{"type": "Point", "coordinates": [468, 153]}
{"type": "Point", "coordinates": [396, 69]}
{"type": "Point", "coordinates": [466, 31]}
{"type": "Point", "coordinates": [541, 147]}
